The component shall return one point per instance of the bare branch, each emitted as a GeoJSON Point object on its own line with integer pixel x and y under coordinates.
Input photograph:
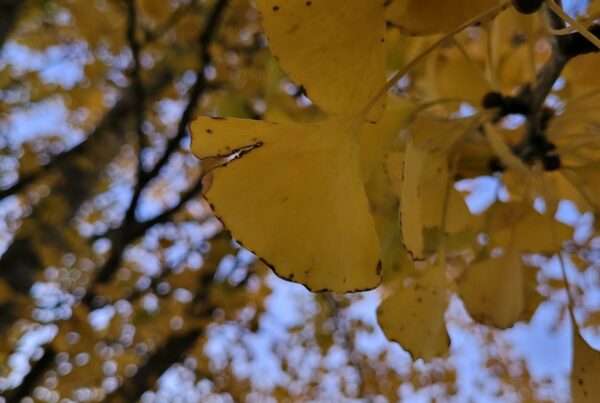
{"type": "Point", "coordinates": [10, 10]}
{"type": "Point", "coordinates": [130, 228]}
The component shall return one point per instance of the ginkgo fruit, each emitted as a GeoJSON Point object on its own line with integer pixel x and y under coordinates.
{"type": "Point", "coordinates": [294, 195]}
{"type": "Point", "coordinates": [527, 6]}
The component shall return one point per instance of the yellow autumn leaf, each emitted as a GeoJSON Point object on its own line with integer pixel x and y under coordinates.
{"type": "Point", "coordinates": [376, 139]}
{"type": "Point", "coordinates": [585, 370]}
{"type": "Point", "coordinates": [426, 17]}
{"type": "Point", "coordinates": [426, 177]}
{"type": "Point", "coordinates": [497, 292]}
{"type": "Point", "coordinates": [413, 315]}
{"type": "Point", "coordinates": [510, 223]}
{"type": "Point", "coordinates": [451, 75]}
{"type": "Point", "coordinates": [318, 44]}
{"type": "Point", "coordinates": [294, 195]}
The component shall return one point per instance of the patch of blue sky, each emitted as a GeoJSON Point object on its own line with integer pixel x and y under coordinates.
{"type": "Point", "coordinates": [47, 118]}
{"type": "Point", "coordinates": [61, 64]}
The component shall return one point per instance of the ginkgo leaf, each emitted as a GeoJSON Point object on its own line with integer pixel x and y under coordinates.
{"type": "Point", "coordinates": [528, 230]}
{"type": "Point", "coordinates": [452, 76]}
{"type": "Point", "coordinates": [426, 17]}
{"type": "Point", "coordinates": [426, 178]}
{"type": "Point", "coordinates": [587, 181]}
{"type": "Point", "coordinates": [318, 44]}
{"type": "Point", "coordinates": [384, 209]}
{"type": "Point", "coordinates": [585, 370]}
{"type": "Point", "coordinates": [413, 315]}
{"type": "Point", "coordinates": [496, 292]}
{"type": "Point", "coordinates": [383, 204]}
{"type": "Point", "coordinates": [294, 195]}
{"type": "Point", "coordinates": [376, 139]}
{"type": "Point", "coordinates": [411, 214]}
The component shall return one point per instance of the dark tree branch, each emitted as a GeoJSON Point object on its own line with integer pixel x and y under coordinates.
{"type": "Point", "coordinates": [175, 348]}
{"type": "Point", "coordinates": [171, 352]}
{"type": "Point", "coordinates": [136, 77]}
{"type": "Point", "coordinates": [130, 228]}
{"type": "Point", "coordinates": [196, 92]}
{"type": "Point", "coordinates": [124, 236]}
{"type": "Point", "coordinates": [174, 19]}
{"type": "Point", "coordinates": [76, 176]}
{"type": "Point", "coordinates": [530, 102]}
{"type": "Point", "coordinates": [10, 10]}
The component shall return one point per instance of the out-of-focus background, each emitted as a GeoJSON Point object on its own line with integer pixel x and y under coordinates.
{"type": "Point", "coordinates": [117, 283]}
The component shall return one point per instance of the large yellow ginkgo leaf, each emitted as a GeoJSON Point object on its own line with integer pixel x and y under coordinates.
{"type": "Point", "coordinates": [427, 17]}
{"type": "Point", "coordinates": [333, 48]}
{"type": "Point", "coordinates": [294, 196]}
{"type": "Point", "coordinates": [413, 315]}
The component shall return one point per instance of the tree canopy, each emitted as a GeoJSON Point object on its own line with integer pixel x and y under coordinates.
{"type": "Point", "coordinates": [296, 200]}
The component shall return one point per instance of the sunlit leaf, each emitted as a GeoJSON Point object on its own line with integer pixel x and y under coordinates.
{"type": "Point", "coordinates": [425, 179]}
{"type": "Point", "coordinates": [494, 290]}
{"type": "Point", "coordinates": [413, 315]}
{"type": "Point", "coordinates": [319, 46]}
{"type": "Point", "coordinates": [295, 197]}
{"type": "Point", "coordinates": [426, 17]}
{"type": "Point", "coordinates": [586, 370]}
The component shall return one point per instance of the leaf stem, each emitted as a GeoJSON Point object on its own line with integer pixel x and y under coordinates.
{"type": "Point", "coordinates": [490, 13]}
{"type": "Point", "coordinates": [574, 23]}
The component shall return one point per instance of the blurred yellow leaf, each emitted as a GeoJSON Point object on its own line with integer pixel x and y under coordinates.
{"type": "Point", "coordinates": [413, 315]}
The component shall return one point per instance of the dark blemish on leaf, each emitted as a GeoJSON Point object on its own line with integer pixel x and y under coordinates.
{"type": "Point", "coordinates": [382, 40]}
{"type": "Point", "coordinates": [283, 201]}
{"type": "Point", "coordinates": [387, 3]}
{"type": "Point", "coordinates": [217, 118]}
{"type": "Point", "coordinates": [275, 8]}
{"type": "Point", "coordinates": [308, 3]}
{"type": "Point", "coordinates": [378, 269]}
{"type": "Point", "coordinates": [302, 91]}
{"type": "Point", "coordinates": [209, 131]}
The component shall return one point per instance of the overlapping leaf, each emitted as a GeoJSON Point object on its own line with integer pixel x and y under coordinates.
{"type": "Point", "coordinates": [319, 45]}
{"type": "Point", "coordinates": [585, 371]}
{"type": "Point", "coordinates": [426, 17]}
{"type": "Point", "coordinates": [425, 184]}
{"type": "Point", "coordinates": [413, 315]}
{"type": "Point", "coordinates": [497, 292]}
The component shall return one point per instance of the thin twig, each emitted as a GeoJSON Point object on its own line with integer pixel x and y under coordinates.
{"type": "Point", "coordinates": [136, 78]}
